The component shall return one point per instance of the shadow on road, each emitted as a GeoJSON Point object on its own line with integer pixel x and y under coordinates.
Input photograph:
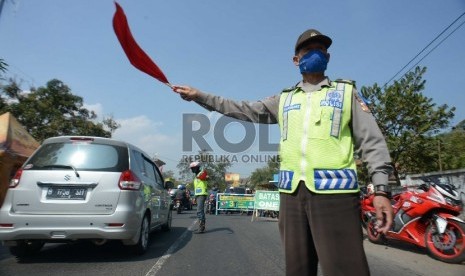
{"type": "Point", "coordinates": [112, 251]}
{"type": "Point", "coordinates": [226, 229]}
{"type": "Point", "coordinates": [400, 245]}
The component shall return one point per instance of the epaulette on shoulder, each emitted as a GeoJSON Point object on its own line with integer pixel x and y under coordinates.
{"type": "Point", "coordinates": [292, 88]}
{"type": "Point", "coordinates": [286, 90]}
{"type": "Point", "coordinates": [352, 82]}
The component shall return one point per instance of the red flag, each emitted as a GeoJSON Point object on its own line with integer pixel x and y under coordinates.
{"type": "Point", "coordinates": [135, 54]}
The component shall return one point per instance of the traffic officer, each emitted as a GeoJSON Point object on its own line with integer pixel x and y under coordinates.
{"type": "Point", "coordinates": [322, 124]}
{"type": "Point", "coordinates": [200, 191]}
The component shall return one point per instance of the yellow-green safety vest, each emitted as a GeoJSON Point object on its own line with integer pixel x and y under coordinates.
{"type": "Point", "coordinates": [316, 143]}
{"type": "Point", "coordinates": [200, 187]}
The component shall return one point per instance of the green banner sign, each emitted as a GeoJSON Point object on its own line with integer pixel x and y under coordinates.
{"type": "Point", "coordinates": [267, 200]}
{"type": "Point", "coordinates": [235, 202]}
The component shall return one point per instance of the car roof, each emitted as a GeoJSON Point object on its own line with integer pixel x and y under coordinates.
{"type": "Point", "coordinates": [101, 140]}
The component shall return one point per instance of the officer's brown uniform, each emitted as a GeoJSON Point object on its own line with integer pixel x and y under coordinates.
{"type": "Point", "coordinates": [319, 228]}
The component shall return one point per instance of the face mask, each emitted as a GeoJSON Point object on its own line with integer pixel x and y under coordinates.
{"type": "Point", "coordinates": [313, 62]}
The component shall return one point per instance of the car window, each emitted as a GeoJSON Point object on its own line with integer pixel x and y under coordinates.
{"type": "Point", "coordinates": [158, 177]}
{"type": "Point", "coordinates": [137, 163]}
{"type": "Point", "coordinates": [148, 169]}
{"type": "Point", "coordinates": [82, 156]}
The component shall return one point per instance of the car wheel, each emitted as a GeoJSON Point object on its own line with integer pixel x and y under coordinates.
{"type": "Point", "coordinates": [26, 248]}
{"type": "Point", "coordinates": [167, 226]}
{"type": "Point", "coordinates": [143, 243]}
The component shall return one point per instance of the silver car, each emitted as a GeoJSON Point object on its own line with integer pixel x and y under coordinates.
{"type": "Point", "coordinates": [91, 188]}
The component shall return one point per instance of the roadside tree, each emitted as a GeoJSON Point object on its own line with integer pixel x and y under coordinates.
{"type": "Point", "coordinates": [265, 174]}
{"type": "Point", "coordinates": [215, 166]}
{"type": "Point", "coordinates": [52, 111]}
{"type": "Point", "coordinates": [410, 121]}
{"type": "Point", "coordinates": [451, 148]}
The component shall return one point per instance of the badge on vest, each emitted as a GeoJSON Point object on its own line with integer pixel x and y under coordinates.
{"type": "Point", "coordinates": [345, 179]}
{"type": "Point", "coordinates": [333, 99]}
{"type": "Point", "coordinates": [287, 108]}
{"type": "Point", "coordinates": [285, 179]}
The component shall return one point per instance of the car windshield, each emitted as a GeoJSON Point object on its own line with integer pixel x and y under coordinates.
{"type": "Point", "coordinates": [81, 156]}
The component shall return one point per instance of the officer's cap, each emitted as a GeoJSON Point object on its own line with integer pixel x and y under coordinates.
{"type": "Point", "coordinates": [312, 35]}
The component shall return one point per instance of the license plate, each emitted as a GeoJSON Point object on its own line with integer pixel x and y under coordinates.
{"type": "Point", "coordinates": [66, 193]}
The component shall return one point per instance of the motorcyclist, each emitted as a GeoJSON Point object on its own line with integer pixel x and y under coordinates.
{"type": "Point", "coordinates": [212, 201]}
{"type": "Point", "coordinates": [181, 195]}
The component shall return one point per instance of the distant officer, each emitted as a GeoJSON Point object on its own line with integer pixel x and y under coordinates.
{"type": "Point", "coordinates": [201, 193]}
{"type": "Point", "coordinates": [322, 123]}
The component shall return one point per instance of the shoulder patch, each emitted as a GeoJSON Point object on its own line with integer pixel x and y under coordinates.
{"type": "Point", "coordinates": [352, 82]}
{"type": "Point", "coordinates": [362, 101]}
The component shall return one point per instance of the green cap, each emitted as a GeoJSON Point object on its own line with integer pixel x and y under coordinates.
{"type": "Point", "coordinates": [312, 35]}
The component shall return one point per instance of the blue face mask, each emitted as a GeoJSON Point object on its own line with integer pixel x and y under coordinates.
{"type": "Point", "coordinates": [313, 62]}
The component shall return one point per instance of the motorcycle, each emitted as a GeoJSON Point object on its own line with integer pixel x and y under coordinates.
{"type": "Point", "coordinates": [178, 205]}
{"type": "Point", "coordinates": [211, 207]}
{"type": "Point", "coordinates": [426, 217]}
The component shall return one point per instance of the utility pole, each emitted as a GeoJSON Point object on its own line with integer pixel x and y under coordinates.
{"type": "Point", "coordinates": [439, 155]}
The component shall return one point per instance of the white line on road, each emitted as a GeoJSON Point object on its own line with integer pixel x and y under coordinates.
{"type": "Point", "coordinates": [157, 266]}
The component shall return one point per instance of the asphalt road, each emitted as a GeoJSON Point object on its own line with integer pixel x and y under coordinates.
{"type": "Point", "coordinates": [232, 245]}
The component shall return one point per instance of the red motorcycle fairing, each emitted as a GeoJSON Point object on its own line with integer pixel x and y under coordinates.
{"type": "Point", "coordinates": [426, 218]}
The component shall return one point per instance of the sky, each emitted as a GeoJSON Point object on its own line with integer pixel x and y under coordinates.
{"type": "Point", "coordinates": [238, 49]}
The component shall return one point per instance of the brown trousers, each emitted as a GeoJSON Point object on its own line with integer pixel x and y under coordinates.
{"type": "Point", "coordinates": [325, 229]}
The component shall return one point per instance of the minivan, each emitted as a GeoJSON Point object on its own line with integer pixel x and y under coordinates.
{"type": "Point", "coordinates": [84, 188]}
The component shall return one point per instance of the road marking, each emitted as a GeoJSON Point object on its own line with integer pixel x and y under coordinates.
{"type": "Point", "coordinates": [157, 266]}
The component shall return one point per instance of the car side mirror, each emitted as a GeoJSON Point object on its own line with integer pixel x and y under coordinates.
{"type": "Point", "coordinates": [169, 184]}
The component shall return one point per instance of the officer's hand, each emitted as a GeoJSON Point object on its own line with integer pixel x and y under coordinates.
{"type": "Point", "coordinates": [384, 213]}
{"type": "Point", "coordinates": [186, 92]}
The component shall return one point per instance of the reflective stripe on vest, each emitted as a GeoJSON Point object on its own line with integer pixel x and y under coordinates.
{"type": "Point", "coordinates": [337, 115]}
{"type": "Point", "coordinates": [345, 179]}
{"type": "Point", "coordinates": [287, 108]}
{"type": "Point", "coordinates": [316, 141]}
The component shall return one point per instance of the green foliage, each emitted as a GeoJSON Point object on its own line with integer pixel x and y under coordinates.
{"type": "Point", "coordinates": [265, 174]}
{"type": "Point", "coordinates": [362, 173]}
{"type": "Point", "coordinates": [169, 175]}
{"type": "Point", "coordinates": [216, 167]}
{"type": "Point", "coordinates": [451, 149]}
{"type": "Point", "coordinates": [53, 111]}
{"type": "Point", "coordinates": [409, 120]}
{"type": "Point", "coordinates": [3, 67]}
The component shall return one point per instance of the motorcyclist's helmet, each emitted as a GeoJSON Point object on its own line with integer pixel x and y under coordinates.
{"type": "Point", "coordinates": [181, 187]}
{"type": "Point", "coordinates": [194, 164]}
